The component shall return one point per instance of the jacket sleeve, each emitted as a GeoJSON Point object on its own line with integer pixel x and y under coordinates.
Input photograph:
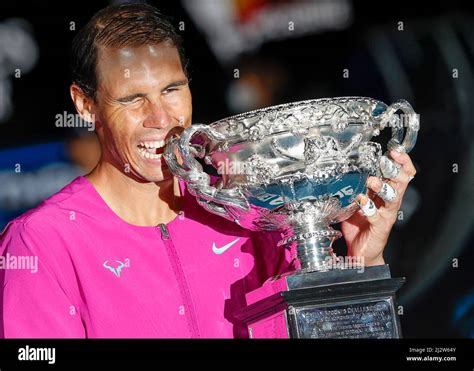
{"type": "Point", "coordinates": [35, 301]}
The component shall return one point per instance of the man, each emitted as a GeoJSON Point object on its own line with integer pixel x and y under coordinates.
{"type": "Point", "coordinates": [125, 251]}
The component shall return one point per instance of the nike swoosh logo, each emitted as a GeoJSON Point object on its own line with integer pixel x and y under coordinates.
{"type": "Point", "coordinates": [220, 250]}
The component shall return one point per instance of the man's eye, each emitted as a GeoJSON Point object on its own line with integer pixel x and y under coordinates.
{"type": "Point", "coordinates": [170, 90]}
{"type": "Point", "coordinates": [132, 101]}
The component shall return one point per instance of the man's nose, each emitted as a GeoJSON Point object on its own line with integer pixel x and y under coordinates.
{"type": "Point", "coordinates": [158, 117]}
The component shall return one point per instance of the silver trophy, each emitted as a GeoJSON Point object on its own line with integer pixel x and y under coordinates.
{"type": "Point", "coordinates": [294, 168]}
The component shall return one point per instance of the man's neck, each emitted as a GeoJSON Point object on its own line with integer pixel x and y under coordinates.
{"type": "Point", "coordinates": [143, 204]}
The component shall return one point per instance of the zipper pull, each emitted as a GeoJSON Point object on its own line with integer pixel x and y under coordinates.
{"type": "Point", "coordinates": [164, 232]}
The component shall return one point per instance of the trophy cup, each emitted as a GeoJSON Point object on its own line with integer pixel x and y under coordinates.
{"type": "Point", "coordinates": [297, 168]}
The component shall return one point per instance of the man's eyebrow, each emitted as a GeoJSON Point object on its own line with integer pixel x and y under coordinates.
{"type": "Point", "coordinates": [175, 84]}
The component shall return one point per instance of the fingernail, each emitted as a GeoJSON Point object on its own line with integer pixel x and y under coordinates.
{"type": "Point", "coordinates": [358, 200]}
{"type": "Point", "coordinates": [399, 148]}
{"type": "Point", "coordinates": [374, 183]}
{"type": "Point", "coordinates": [395, 153]}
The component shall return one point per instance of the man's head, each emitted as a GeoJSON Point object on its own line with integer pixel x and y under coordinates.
{"type": "Point", "coordinates": [129, 75]}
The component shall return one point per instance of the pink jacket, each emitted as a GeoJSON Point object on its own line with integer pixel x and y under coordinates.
{"type": "Point", "coordinates": [98, 276]}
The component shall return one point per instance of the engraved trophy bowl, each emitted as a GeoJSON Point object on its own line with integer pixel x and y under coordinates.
{"type": "Point", "coordinates": [294, 168]}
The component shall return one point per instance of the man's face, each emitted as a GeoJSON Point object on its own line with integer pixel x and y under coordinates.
{"type": "Point", "coordinates": [142, 95]}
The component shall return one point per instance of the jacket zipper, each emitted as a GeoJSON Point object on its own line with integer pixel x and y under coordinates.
{"type": "Point", "coordinates": [164, 232]}
{"type": "Point", "coordinates": [183, 285]}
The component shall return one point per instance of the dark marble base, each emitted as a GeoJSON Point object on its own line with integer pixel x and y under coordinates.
{"type": "Point", "coordinates": [335, 304]}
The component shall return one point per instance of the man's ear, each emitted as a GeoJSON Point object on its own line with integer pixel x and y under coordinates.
{"type": "Point", "coordinates": [83, 103]}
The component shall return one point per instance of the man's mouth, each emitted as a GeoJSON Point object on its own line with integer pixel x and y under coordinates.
{"type": "Point", "coordinates": [151, 149]}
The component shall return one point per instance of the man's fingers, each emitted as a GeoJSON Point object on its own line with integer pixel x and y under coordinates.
{"type": "Point", "coordinates": [396, 174]}
{"type": "Point", "coordinates": [390, 169]}
{"type": "Point", "coordinates": [400, 182]}
{"type": "Point", "coordinates": [405, 161]}
{"type": "Point", "coordinates": [382, 189]}
{"type": "Point", "coordinates": [367, 206]}
{"type": "Point", "coordinates": [399, 172]}
{"type": "Point", "coordinates": [387, 192]}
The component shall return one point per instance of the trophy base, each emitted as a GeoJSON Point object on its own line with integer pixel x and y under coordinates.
{"type": "Point", "coordinates": [340, 303]}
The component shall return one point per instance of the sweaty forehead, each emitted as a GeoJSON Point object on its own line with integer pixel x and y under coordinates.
{"type": "Point", "coordinates": [126, 64]}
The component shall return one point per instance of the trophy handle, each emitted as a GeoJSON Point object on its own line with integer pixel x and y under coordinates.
{"type": "Point", "coordinates": [402, 140]}
{"type": "Point", "coordinates": [212, 198]}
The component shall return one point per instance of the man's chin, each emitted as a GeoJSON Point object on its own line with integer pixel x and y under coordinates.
{"type": "Point", "coordinates": [157, 173]}
{"type": "Point", "coordinates": [159, 178]}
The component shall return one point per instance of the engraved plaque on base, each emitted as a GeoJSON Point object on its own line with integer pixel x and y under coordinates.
{"type": "Point", "coordinates": [371, 319]}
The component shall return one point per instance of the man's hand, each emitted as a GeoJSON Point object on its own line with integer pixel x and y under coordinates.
{"type": "Point", "coordinates": [366, 232]}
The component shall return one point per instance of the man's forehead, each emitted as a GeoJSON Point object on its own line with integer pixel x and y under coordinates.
{"type": "Point", "coordinates": [130, 69]}
{"type": "Point", "coordinates": [128, 55]}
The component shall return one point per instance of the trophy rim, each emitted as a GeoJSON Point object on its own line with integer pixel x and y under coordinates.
{"type": "Point", "coordinates": [292, 105]}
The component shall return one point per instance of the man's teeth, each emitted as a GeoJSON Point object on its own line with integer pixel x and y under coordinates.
{"type": "Point", "coordinates": [151, 145]}
{"type": "Point", "coordinates": [143, 152]}
{"type": "Point", "coordinates": [149, 149]}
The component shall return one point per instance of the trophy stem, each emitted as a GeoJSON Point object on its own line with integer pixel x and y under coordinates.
{"type": "Point", "coordinates": [314, 254]}
{"type": "Point", "coordinates": [314, 247]}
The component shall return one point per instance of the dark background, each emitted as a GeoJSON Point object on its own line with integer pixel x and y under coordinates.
{"type": "Point", "coordinates": [438, 299]}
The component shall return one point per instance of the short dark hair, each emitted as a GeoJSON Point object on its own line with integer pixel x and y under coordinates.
{"type": "Point", "coordinates": [128, 24]}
